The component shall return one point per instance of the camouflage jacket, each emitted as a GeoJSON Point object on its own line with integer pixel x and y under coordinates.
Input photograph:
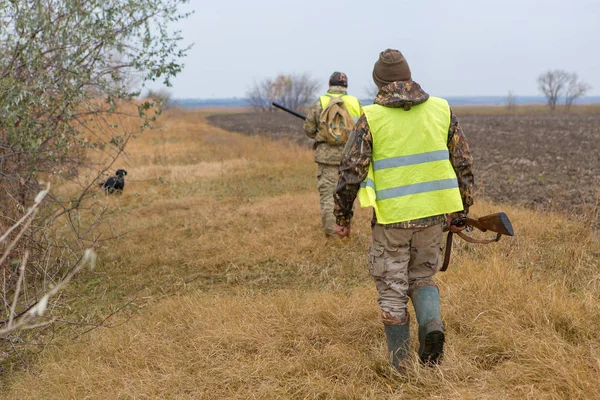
{"type": "Point", "coordinates": [324, 152]}
{"type": "Point", "coordinates": [356, 157]}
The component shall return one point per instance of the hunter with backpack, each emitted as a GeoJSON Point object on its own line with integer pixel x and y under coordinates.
{"type": "Point", "coordinates": [329, 121]}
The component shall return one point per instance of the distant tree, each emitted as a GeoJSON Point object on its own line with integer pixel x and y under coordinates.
{"type": "Point", "coordinates": [294, 91]}
{"type": "Point", "coordinates": [556, 83]}
{"type": "Point", "coordinates": [161, 97]}
{"type": "Point", "coordinates": [511, 100]}
{"type": "Point", "coordinates": [552, 84]}
{"type": "Point", "coordinates": [575, 89]}
{"type": "Point", "coordinates": [260, 95]}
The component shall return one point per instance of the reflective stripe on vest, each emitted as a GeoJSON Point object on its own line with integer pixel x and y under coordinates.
{"type": "Point", "coordinates": [352, 104]}
{"type": "Point", "coordinates": [410, 176]}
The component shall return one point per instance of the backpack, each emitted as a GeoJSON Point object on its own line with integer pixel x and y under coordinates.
{"type": "Point", "coordinates": [335, 122]}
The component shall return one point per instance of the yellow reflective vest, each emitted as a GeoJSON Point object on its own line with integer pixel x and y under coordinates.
{"type": "Point", "coordinates": [410, 176]}
{"type": "Point", "coordinates": [352, 104]}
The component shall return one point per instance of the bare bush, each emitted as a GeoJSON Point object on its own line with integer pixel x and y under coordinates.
{"type": "Point", "coordinates": [292, 91]}
{"type": "Point", "coordinates": [27, 319]}
{"type": "Point", "coordinates": [68, 111]}
{"type": "Point", "coordinates": [575, 89]}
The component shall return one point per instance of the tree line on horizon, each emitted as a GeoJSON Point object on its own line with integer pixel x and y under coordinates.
{"type": "Point", "coordinates": [297, 91]}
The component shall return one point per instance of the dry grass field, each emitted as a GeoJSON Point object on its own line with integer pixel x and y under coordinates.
{"type": "Point", "coordinates": [239, 296]}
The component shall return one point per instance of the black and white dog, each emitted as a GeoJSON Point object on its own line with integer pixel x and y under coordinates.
{"type": "Point", "coordinates": [115, 183]}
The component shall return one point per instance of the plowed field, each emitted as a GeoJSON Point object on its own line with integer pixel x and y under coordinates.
{"type": "Point", "coordinates": [538, 160]}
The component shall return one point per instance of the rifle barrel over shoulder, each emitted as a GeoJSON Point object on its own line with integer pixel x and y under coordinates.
{"type": "Point", "coordinates": [284, 108]}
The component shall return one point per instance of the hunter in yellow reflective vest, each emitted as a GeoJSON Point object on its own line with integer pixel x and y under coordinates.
{"type": "Point", "coordinates": [328, 156]}
{"type": "Point", "coordinates": [410, 175]}
{"type": "Point", "coordinates": [408, 158]}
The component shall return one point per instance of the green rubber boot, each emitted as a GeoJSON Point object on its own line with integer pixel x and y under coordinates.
{"type": "Point", "coordinates": [398, 344]}
{"type": "Point", "coordinates": [426, 301]}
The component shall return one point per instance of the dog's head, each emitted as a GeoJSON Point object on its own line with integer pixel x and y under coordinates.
{"type": "Point", "coordinates": [121, 173]}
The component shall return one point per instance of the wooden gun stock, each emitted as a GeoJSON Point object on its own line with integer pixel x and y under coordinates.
{"type": "Point", "coordinates": [498, 223]}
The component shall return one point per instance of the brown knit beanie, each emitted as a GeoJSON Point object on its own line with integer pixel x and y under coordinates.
{"type": "Point", "coordinates": [390, 67]}
{"type": "Point", "coordinates": [338, 79]}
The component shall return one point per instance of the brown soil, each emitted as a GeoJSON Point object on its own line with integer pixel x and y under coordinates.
{"type": "Point", "coordinates": [277, 125]}
{"type": "Point", "coordinates": [548, 160]}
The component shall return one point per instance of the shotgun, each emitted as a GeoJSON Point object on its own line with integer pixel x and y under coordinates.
{"type": "Point", "coordinates": [284, 108]}
{"type": "Point", "coordinates": [498, 223]}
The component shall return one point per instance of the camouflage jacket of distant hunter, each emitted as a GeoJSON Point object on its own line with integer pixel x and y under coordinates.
{"type": "Point", "coordinates": [356, 157]}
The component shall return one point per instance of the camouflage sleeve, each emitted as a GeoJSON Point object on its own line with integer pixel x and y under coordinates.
{"type": "Point", "coordinates": [354, 167]}
{"type": "Point", "coordinates": [311, 124]}
{"type": "Point", "coordinates": [462, 161]}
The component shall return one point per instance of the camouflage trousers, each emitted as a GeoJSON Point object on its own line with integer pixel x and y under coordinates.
{"type": "Point", "coordinates": [400, 260]}
{"type": "Point", "coordinates": [327, 177]}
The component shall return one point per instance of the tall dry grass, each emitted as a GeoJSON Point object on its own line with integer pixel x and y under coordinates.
{"type": "Point", "coordinates": [243, 298]}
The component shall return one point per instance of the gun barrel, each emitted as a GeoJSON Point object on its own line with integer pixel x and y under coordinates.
{"type": "Point", "coordinates": [294, 113]}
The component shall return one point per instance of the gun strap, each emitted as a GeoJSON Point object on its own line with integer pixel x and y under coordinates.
{"type": "Point", "coordinates": [466, 238]}
{"type": "Point", "coordinates": [448, 251]}
{"type": "Point", "coordinates": [478, 241]}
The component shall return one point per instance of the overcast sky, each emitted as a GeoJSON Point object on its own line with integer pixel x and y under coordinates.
{"type": "Point", "coordinates": [454, 48]}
